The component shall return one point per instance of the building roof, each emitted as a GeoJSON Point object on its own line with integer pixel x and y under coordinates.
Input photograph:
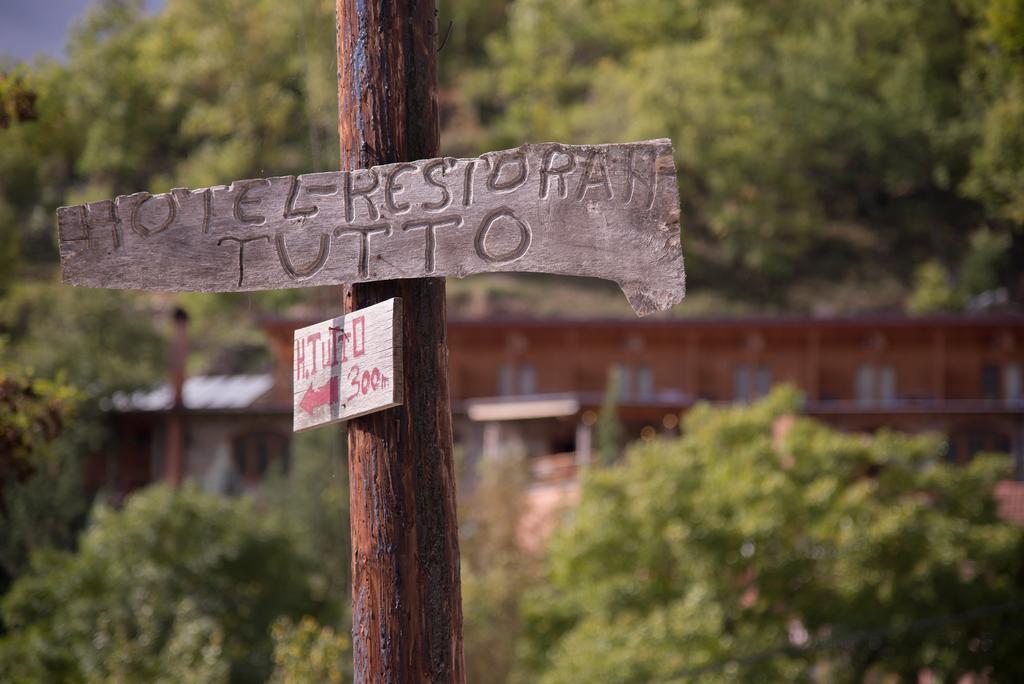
{"type": "Point", "coordinates": [201, 392]}
{"type": "Point", "coordinates": [523, 407]}
{"type": "Point", "coordinates": [772, 321]}
{"type": "Point", "coordinates": [882, 320]}
{"type": "Point", "coordinates": [559, 404]}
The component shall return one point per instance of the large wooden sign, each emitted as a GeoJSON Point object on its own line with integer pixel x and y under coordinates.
{"type": "Point", "coordinates": [348, 366]}
{"type": "Point", "coordinates": [607, 211]}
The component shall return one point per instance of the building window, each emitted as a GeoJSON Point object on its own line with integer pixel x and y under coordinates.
{"type": "Point", "coordinates": [980, 439]}
{"type": "Point", "coordinates": [886, 384]}
{"type": "Point", "coordinates": [625, 379]}
{"type": "Point", "coordinates": [527, 379]}
{"type": "Point", "coordinates": [634, 382]}
{"type": "Point", "coordinates": [751, 381]}
{"type": "Point", "coordinates": [505, 379]}
{"type": "Point", "coordinates": [865, 383]}
{"type": "Point", "coordinates": [253, 455]}
{"type": "Point", "coordinates": [990, 382]}
{"type": "Point", "coordinates": [644, 382]}
{"type": "Point", "coordinates": [875, 383]}
{"type": "Point", "coordinates": [514, 380]}
{"type": "Point", "coordinates": [1012, 390]}
{"type": "Point", "coordinates": [1002, 382]}
{"type": "Point", "coordinates": [764, 381]}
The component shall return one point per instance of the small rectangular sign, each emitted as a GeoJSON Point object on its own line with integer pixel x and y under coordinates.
{"type": "Point", "coordinates": [348, 366]}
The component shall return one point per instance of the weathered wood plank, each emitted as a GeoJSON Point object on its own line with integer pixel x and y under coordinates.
{"type": "Point", "coordinates": [606, 211]}
{"type": "Point", "coordinates": [348, 366]}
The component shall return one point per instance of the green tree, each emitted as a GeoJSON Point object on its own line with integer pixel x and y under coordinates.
{"type": "Point", "coordinates": [41, 500]}
{"type": "Point", "coordinates": [742, 553]}
{"type": "Point", "coordinates": [311, 501]}
{"type": "Point", "coordinates": [177, 586]}
{"type": "Point", "coordinates": [820, 145]}
{"type": "Point", "coordinates": [36, 157]}
{"type": "Point", "coordinates": [207, 90]}
{"type": "Point", "coordinates": [496, 570]}
{"type": "Point", "coordinates": [933, 292]}
{"type": "Point", "coordinates": [984, 264]}
{"type": "Point", "coordinates": [827, 148]}
{"type": "Point", "coordinates": [995, 83]}
{"type": "Point", "coordinates": [307, 652]}
{"type": "Point", "coordinates": [32, 415]}
{"type": "Point", "coordinates": [96, 340]}
{"type": "Point", "coordinates": [199, 93]}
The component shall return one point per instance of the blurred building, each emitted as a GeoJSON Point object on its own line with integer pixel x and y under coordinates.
{"type": "Point", "coordinates": [536, 386]}
{"type": "Point", "coordinates": [226, 435]}
{"type": "Point", "coordinates": [541, 382]}
{"type": "Point", "coordinates": [223, 432]}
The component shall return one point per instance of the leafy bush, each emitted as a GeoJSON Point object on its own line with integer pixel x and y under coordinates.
{"type": "Point", "coordinates": [746, 551]}
{"type": "Point", "coordinates": [306, 652]}
{"type": "Point", "coordinates": [41, 500]}
{"type": "Point", "coordinates": [178, 586]}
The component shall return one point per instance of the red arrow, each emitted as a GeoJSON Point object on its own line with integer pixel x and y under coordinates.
{"type": "Point", "coordinates": [315, 398]}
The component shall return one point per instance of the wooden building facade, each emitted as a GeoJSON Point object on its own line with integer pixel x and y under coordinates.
{"type": "Point", "coordinates": [536, 385]}
{"type": "Point", "coordinates": [959, 375]}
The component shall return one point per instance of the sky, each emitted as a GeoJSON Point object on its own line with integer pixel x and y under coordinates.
{"type": "Point", "coordinates": [31, 27]}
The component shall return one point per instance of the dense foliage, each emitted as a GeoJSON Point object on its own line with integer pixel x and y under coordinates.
{"type": "Point", "coordinates": [826, 149]}
{"type": "Point", "coordinates": [496, 569]}
{"type": "Point", "coordinates": [41, 499]}
{"type": "Point", "coordinates": [177, 585]}
{"type": "Point", "coordinates": [817, 142]}
{"type": "Point", "coordinates": [203, 91]}
{"type": "Point", "coordinates": [763, 547]}
{"type": "Point", "coordinates": [307, 652]}
{"type": "Point", "coordinates": [833, 155]}
{"type": "Point", "coordinates": [311, 503]}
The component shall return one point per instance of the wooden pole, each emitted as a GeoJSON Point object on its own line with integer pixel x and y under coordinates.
{"type": "Point", "coordinates": [175, 442]}
{"type": "Point", "coordinates": [406, 605]}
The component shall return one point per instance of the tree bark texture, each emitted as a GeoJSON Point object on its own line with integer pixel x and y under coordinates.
{"type": "Point", "coordinates": [407, 611]}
